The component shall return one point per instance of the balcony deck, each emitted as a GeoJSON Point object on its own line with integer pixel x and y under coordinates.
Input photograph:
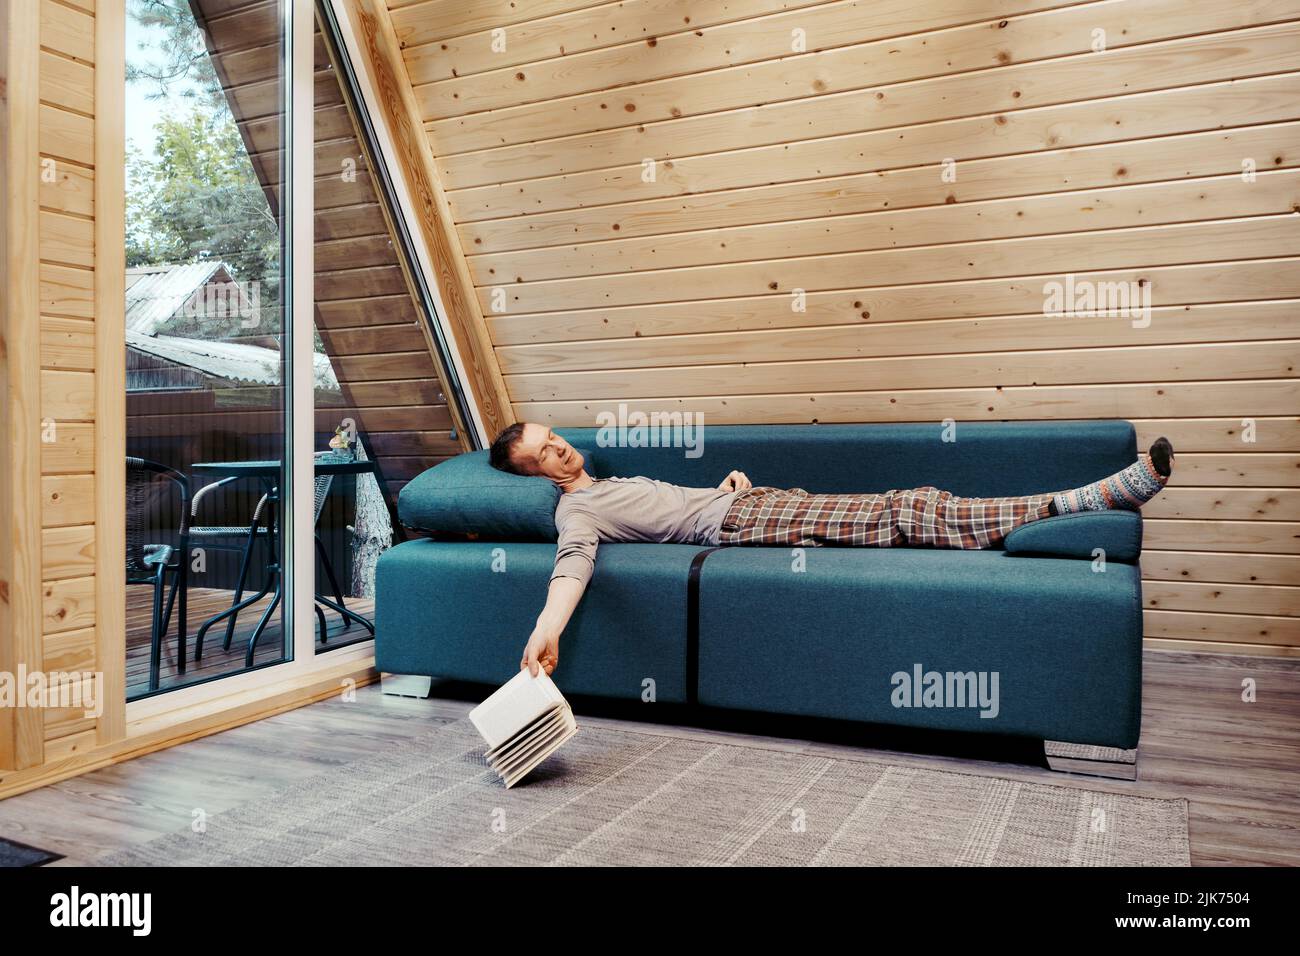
{"type": "Point", "coordinates": [203, 604]}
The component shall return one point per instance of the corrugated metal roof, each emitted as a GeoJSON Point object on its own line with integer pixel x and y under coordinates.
{"type": "Point", "coordinates": [232, 361]}
{"type": "Point", "coordinates": [155, 293]}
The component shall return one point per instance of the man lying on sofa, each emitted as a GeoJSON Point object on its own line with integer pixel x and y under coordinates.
{"type": "Point", "coordinates": [592, 510]}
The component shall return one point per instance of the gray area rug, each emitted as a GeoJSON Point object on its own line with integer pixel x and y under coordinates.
{"type": "Point", "coordinates": [616, 797]}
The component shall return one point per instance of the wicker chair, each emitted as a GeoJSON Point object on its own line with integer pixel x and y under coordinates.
{"type": "Point", "coordinates": [151, 562]}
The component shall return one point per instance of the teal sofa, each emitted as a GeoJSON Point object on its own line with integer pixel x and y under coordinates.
{"type": "Point", "coordinates": [1056, 614]}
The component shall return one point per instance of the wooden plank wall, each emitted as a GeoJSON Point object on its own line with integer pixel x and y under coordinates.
{"type": "Point", "coordinates": [21, 729]}
{"type": "Point", "coordinates": [77, 527]}
{"type": "Point", "coordinates": [642, 186]}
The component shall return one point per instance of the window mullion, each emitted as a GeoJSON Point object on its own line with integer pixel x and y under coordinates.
{"type": "Point", "coordinates": [299, 478]}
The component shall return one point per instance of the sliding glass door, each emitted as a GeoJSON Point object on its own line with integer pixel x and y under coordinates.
{"type": "Point", "coordinates": [207, 340]}
{"type": "Point", "coordinates": [285, 371]}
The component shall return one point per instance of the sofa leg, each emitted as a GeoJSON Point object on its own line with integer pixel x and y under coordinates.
{"type": "Point", "coordinates": [1093, 761]}
{"type": "Point", "coordinates": [406, 685]}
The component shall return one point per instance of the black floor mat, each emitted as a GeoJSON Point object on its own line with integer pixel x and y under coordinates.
{"type": "Point", "coordinates": [13, 853]}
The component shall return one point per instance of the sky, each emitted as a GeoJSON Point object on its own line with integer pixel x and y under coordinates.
{"type": "Point", "coordinates": [140, 110]}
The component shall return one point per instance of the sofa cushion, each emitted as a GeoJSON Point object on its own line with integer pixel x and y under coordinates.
{"type": "Point", "coordinates": [827, 637]}
{"type": "Point", "coordinates": [466, 495]}
{"type": "Point", "coordinates": [1118, 533]}
{"type": "Point", "coordinates": [464, 610]}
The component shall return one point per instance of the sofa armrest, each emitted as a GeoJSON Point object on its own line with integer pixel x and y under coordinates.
{"type": "Point", "coordinates": [1118, 533]}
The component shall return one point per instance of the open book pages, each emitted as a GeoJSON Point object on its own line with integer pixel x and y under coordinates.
{"type": "Point", "coordinates": [524, 721]}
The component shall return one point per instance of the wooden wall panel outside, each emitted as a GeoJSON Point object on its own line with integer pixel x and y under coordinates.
{"type": "Point", "coordinates": [430, 215]}
{"type": "Point", "coordinates": [365, 316]}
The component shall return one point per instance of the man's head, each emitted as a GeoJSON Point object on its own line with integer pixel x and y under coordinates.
{"type": "Point", "coordinates": [526, 448]}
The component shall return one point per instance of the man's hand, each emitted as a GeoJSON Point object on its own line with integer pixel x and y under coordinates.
{"type": "Point", "coordinates": [542, 650]}
{"type": "Point", "coordinates": [736, 481]}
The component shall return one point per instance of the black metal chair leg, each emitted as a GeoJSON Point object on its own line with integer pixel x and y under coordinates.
{"type": "Point", "coordinates": [178, 585]}
{"type": "Point", "coordinates": [244, 565]}
{"type": "Point", "coordinates": [155, 655]}
{"type": "Point", "coordinates": [324, 627]}
{"type": "Point", "coordinates": [162, 632]}
{"type": "Point", "coordinates": [345, 613]}
{"type": "Point", "coordinates": [156, 634]}
{"type": "Point", "coordinates": [333, 580]}
{"type": "Point", "coordinates": [171, 601]}
{"type": "Point", "coordinates": [183, 583]}
{"type": "Point", "coordinates": [235, 609]}
{"type": "Point", "coordinates": [261, 626]}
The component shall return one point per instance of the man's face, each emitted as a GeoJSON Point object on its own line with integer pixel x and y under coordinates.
{"type": "Point", "coordinates": [540, 451]}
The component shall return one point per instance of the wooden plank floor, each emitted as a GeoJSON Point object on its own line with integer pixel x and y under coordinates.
{"type": "Point", "coordinates": [203, 604]}
{"type": "Point", "coordinates": [1237, 763]}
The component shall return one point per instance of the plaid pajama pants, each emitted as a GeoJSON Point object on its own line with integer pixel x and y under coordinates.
{"type": "Point", "coordinates": [924, 516]}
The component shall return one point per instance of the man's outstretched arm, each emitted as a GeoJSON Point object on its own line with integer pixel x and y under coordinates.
{"type": "Point", "coordinates": [543, 648]}
{"type": "Point", "coordinates": [575, 559]}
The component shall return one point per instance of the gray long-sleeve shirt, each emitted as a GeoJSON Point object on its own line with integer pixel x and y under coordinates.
{"type": "Point", "coordinates": [633, 509]}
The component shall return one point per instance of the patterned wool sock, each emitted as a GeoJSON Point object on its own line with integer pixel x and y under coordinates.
{"type": "Point", "coordinates": [1129, 489]}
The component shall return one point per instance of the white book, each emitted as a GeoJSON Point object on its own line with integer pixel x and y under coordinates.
{"type": "Point", "coordinates": [512, 751]}
{"type": "Point", "coordinates": [517, 772]}
{"type": "Point", "coordinates": [502, 753]}
{"type": "Point", "coordinates": [524, 721]}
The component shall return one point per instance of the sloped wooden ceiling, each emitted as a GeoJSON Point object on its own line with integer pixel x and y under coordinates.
{"type": "Point", "coordinates": [800, 211]}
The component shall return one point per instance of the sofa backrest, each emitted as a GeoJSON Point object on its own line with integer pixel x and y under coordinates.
{"type": "Point", "coordinates": [986, 459]}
